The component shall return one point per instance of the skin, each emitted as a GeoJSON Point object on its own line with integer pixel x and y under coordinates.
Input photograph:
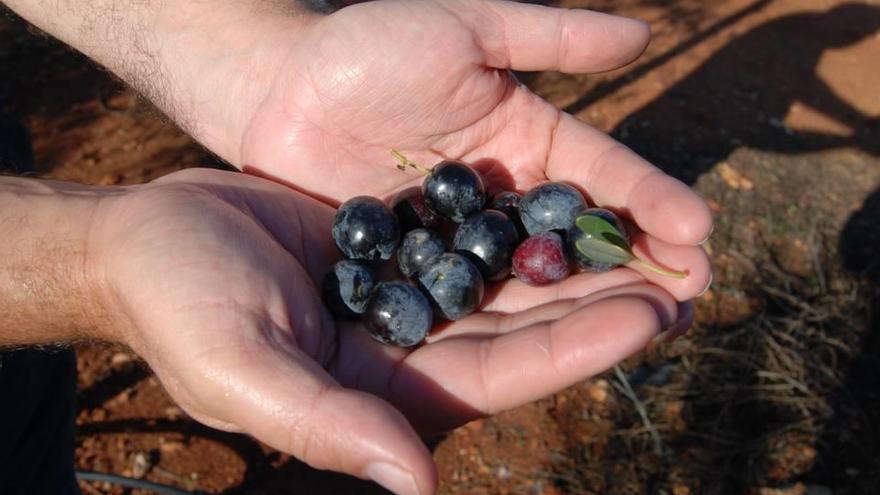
{"type": "Point", "coordinates": [232, 323]}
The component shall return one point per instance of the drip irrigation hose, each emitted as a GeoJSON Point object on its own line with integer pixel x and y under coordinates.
{"type": "Point", "coordinates": [131, 483]}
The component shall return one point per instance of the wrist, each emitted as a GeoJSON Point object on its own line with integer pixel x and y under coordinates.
{"type": "Point", "coordinates": [50, 290]}
{"type": "Point", "coordinates": [219, 66]}
{"type": "Point", "coordinates": [206, 64]}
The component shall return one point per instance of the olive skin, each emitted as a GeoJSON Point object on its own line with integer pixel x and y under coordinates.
{"type": "Point", "coordinates": [454, 190]}
{"type": "Point", "coordinates": [541, 260]}
{"type": "Point", "coordinates": [412, 212]}
{"type": "Point", "coordinates": [552, 206]}
{"type": "Point", "coordinates": [416, 248]}
{"type": "Point", "coordinates": [347, 287]}
{"type": "Point", "coordinates": [488, 239]}
{"type": "Point", "coordinates": [364, 229]}
{"type": "Point", "coordinates": [398, 314]}
{"type": "Point", "coordinates": [453, 284]}
{"type": "Point", "coordinates": [507, 202]}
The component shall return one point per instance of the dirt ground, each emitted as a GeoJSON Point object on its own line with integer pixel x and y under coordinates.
{"type": "Point", "coordinates": [770, 109]}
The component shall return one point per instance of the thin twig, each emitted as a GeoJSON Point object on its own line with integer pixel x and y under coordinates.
{"type": "Point", "coordinates": [817, 266]}
{"type": "Point", "coordinates": [772, 375]}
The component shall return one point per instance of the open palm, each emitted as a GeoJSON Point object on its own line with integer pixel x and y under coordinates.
{"type": "Point", "coordinates": [432, 78]}
{"type": "Point", "coordinates": [214, 278]}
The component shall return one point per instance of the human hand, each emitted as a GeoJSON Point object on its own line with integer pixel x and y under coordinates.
{"type": "Point", "coordinates": [212, 278]}
{"type": "Point", "coordinates": [431, 78]}
{"type": "Point", "coordinates": [319, 100]}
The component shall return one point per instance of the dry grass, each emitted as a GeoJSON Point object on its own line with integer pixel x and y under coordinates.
{"type": "Point", "coordinates": [777, 398]}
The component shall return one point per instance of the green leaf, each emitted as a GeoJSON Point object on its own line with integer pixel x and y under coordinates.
{"type": "Point", "coordinates": [602, 241]}
{"type": "Point", "coordinates": [602, 251]}
{"type": "Point", "coordinates": [595, 226]}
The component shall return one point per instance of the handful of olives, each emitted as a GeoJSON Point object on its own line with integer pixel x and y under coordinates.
{"type": "Point", "coordinates": [539, 237]}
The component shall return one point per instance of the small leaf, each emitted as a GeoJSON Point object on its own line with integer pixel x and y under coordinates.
{"type": "Point", "coordinates": [597, 227]}
{"type": "Point", "coordinates": [602, 251]}
{"type": "Point", "coordinates": [602, 242]}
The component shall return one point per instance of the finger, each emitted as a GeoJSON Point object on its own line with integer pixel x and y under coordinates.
{"type": "Point", "coordinates": [691, 259]}
{"type": "Point", "coordinates": [513, 296]}
{"type": "Point", "coordinates": [486, 324]}
{"type": "Point", "coordinates": [492, 374]}
{"type": "Point", "coordinates": [531, 37]}
{"type": "Point", "coordinates": [289, 402]}
{"type": "Point", "coordinates": [616, 177]}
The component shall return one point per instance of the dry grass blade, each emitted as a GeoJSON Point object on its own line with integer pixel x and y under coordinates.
{"type": "Point", "coordinates": [640, 407]}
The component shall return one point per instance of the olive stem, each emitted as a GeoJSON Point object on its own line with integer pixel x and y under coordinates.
{"type": "Point", "coordinates": [662, 271]}
{"type": "Point", "coordinates": [406, 162]}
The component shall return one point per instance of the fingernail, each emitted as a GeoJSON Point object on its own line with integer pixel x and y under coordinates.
{"type": "Point", "coordinates": [675, 330]}
{"type": "Point", "coordinates": [708, 285]}
{"type": "Point", "coordinates": [706, 239]}
{"type": "Point", "coordinates": [392, 478]}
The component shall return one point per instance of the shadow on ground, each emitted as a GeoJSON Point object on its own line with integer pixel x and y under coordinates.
{"type": "Point", "coordinates": [849, 449]}
{"type": "Point", "coordinates": [742, 95]}
{"type": "Point", "coordinates": [790, 393]}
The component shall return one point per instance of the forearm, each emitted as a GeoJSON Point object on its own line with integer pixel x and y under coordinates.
{"type": "Point", "coordinates": [48, 291]}
{"type": "Point", "coordinates": [193, 59]}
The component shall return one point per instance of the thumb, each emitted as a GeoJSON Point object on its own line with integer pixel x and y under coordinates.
{"type": "Point", "coordinates": [289, 402]}
{"type": "Point", "coordinates": [529, 37]}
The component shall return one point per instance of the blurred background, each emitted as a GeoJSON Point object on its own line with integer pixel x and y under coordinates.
{"type": "Point", "coordinates": [769, 108]}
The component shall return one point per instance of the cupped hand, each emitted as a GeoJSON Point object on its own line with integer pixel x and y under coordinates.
{"type": "Point", "coordinates": [212, 277]}
{"type": "Point", "coordinates": [432, 78]}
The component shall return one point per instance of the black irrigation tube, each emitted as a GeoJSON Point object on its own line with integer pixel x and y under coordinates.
{"type": "Point", "coordinates": [131, 483]}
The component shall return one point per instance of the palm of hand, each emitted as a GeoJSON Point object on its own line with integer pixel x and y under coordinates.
{"type": "Point", "coordinates": [242, 342]}
{"type": "Point", "coordinates": [431, 78]}
{"type": "Point", "coordinates": [383, 75]}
